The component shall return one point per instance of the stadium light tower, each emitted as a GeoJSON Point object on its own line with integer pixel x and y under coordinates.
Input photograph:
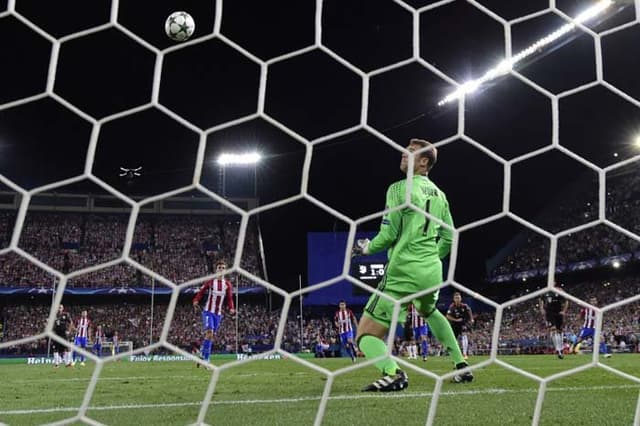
{"type": "Point", "coordinates": [245, 159]}
{"type": "Point", "coordinates": [231, 159]}
{"type": "Point", "coordinates": [506, 65]}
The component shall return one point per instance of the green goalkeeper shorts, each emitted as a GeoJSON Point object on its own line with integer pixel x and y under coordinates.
{"type": "Point", "coordinates": [399, 286]}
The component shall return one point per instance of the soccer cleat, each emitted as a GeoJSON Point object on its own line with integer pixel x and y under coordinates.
{"type": "Point", "coordinates": [424, 359]}
{"type": "Point", "coordinates": [464, 377]}
{"type": "Point", "coordinates": [560, 355]}
{"type": "Point", "coordinates": [397, 382]}
{"type": "Point", "coordinates": [82, 364]}
{"type": "Point", "coordinates": [607, 355]}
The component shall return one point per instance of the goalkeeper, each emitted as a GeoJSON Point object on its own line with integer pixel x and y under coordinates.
{"type": "Point", "coordinates": [415, 246]}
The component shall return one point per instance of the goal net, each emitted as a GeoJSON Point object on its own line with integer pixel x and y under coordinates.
{"type": "Point", "coordinates": [509, 61]}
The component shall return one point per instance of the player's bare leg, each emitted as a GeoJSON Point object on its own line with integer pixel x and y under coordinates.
{"type": "Point", "coordinates": [370, 340]}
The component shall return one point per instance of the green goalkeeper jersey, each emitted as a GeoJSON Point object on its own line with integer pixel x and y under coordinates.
{"type": "Point", "coordinates": [412, 239]}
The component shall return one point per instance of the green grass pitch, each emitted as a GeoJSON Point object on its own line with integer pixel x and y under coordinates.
{"type": "Point", "coordinates": [283, 392]}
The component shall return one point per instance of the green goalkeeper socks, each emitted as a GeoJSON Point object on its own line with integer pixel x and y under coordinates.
{"type": "Point", "coordinates": [373, 347]}
{"type": "Point", "coordinates": [440, 327]}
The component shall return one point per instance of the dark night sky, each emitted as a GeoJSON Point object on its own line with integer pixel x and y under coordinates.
{"type": "Point", "coordinates": [312, 94]}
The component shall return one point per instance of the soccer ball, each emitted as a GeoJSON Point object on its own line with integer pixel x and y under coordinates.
{"type": "Point", "coordinates": [179, 26]}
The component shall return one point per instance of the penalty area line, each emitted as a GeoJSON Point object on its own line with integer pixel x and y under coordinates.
{"type": "Point", "coordinates": [489, 391]}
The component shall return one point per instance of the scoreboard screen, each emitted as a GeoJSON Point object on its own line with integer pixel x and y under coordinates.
{"type": "Point", "coordinates": [326, 252]}
{"type": "Point", "coordinates": [369, 272]}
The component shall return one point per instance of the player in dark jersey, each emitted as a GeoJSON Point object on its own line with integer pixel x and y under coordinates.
{"type": "Point", "coordinates": [553, 308]}
{"type": "Point", "coordinates": [461, 318]}
{"type": "Point", "coordinates": [61, 327]}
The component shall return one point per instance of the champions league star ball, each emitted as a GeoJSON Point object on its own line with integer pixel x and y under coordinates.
{"type": "Point", "coordinates": [179, 26]}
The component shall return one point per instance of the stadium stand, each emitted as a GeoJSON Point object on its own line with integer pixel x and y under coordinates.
{"type": "Point", "coordinates": [179, 247]}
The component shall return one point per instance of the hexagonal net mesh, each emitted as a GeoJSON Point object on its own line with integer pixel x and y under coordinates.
{"type": "Point", "coordinates": [464, 89]}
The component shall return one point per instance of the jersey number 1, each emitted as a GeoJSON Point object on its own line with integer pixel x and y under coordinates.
{"type": "Point", "coordinates": [426, 218]}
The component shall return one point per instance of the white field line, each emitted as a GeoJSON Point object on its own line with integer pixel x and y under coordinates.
{"type": "Point", "coordinates": [490, 391]}
{"type": "Point", "coordinates": [143, 378]}
{"type": "Point", "coordinates": [189, 377]}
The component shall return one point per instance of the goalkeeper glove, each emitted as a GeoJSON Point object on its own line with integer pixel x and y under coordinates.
{"type": "Point", "coordinates": [361, 247]}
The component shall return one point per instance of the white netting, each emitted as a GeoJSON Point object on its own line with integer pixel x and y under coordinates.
{"type": "Point", "coordinates": [510, 59]}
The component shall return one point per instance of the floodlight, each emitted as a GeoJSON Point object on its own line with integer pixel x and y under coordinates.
{"type": "Point", "coordinates": [506, 65]}
{"type": "Point", "coordinates": [231, 159]}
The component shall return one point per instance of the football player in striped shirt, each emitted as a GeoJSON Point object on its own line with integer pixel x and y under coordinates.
{"type": "Point", "coordinates": [82, 327]}
{"type": "Point", "coordinates": [344, 320]}
{"type": "Point", "coordinates": [588, 329]}
{"type": "Point", "coordinates": [98, 338]}
{"type": "Point", "coordinates": [215, 292]}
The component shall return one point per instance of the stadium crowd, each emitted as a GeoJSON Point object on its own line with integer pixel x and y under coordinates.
{"type": "Point", "coordinates": [178, 247]}
{"type": "Point", "coordinates": [523, 329]}
{"type": "Point", "coordinates": [135, 322]}
{"type": "Point", "coordinates": [622, 207]}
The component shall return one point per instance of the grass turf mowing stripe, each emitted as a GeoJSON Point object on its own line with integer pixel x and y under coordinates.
{"type": "Point", "coordinates": [315, 398]}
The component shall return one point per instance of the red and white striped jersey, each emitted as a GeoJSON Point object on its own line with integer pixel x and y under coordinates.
{"type": "Point", "coordinates": [216, 291]}
{"type": "Point", "coordinates": [99, 337]}
{"type": "Point", "coordinates": [416, 320]}
{"type": "Point", "coordinates": [82, 327]}
{"type": "Point", "coordinates": [343, 320]}
{"type": "Point", "coordinates": [589, 316]}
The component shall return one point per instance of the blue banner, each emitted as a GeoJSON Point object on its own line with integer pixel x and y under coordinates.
{"type": "Point", "coordinates": [160, 290]}
{"type": "Point", "coordinates": [581, 266]}
{"type": "Point", "coordinates": [526, 274]}
{"type": "Point", "coordinates": [622, 258]}
{"type": "Point", "coordinates": [325, 257]}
